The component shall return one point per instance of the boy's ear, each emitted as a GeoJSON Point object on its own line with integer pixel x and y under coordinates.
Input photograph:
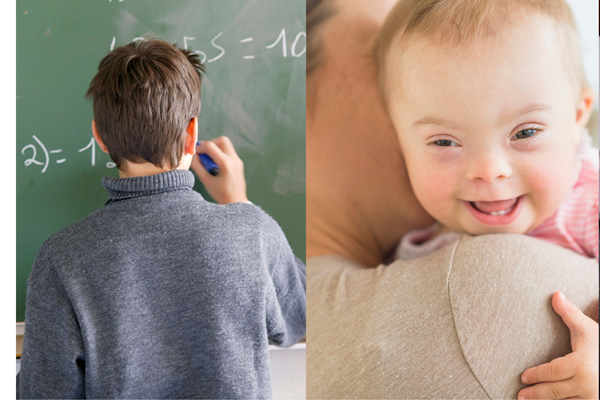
{"type": "Point", "coordinates": [97, 137]}
{"type": "Point", "coordinates": [191, 136]}
{"type": "Point", "coordinates": [584, 107]}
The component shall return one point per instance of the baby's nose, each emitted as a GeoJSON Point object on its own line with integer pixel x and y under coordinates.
{"type": "Point", "coordinates": [488, 167]}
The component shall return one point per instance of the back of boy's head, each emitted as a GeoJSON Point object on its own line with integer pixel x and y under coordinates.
{"type": "Point", "coordinates": [144, 96]}
{"type": "Point", "coordinates": [452, 23]}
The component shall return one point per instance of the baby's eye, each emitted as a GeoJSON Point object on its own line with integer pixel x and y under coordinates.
{"type": "Point", "coordinates": [525, 134]}
{"type": "Point", "coordinates": [444, 143]}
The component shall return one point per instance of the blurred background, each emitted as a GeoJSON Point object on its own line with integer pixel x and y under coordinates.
{"type": "Point", "coordinates": [586, 14]}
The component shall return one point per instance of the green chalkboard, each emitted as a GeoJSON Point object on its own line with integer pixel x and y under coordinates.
{"type": "Point", "coordinates": [253, 92]}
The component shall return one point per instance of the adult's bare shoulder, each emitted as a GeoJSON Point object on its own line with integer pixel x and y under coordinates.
{"type": "Point", "coordinates": [359, 199]}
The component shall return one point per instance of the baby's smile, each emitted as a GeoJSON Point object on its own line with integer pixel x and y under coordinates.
{"type": "Point", "coordinates": [500, 212]}
{"type": "Point", "coordinates": [498, 207]}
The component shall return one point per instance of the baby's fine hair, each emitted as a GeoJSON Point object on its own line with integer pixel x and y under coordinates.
{"type": "Point", "coordinates": [144, 96]}
{"type": "Point", "coordinates": [460, 22]}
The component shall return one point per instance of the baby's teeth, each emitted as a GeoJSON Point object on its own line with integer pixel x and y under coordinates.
{"type": "Point", "coordinates": [501, 212]}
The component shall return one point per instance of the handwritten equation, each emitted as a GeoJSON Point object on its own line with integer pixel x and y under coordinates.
{"type": "Point", "coordinates": [295, 49]}
{"type": "Point", "coordinates": [31, 151]}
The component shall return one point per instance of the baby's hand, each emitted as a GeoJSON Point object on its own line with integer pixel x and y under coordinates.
{"type": "Point", "coordinates": [574, 375]}
{"type": "Point", "coordinates": [229, 186]}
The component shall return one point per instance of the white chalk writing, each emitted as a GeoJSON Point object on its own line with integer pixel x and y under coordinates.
{"type": "Point", "coordinates": [218, 47]}
{"type": "Point", "coordinates": [32, 156]}
{"type": "Point", "coordinates": [281, 38]}
{"type": "Point", "coordinates": [92, 144]}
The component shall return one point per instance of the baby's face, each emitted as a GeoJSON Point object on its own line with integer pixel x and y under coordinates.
{"type": "Point", "coordinates": [489, 132]}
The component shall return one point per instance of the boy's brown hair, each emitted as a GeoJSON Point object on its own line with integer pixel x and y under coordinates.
{"type": "Point", "coordinates": [144, 96]}
{"type": "Point", "coordinates": [456, 22]}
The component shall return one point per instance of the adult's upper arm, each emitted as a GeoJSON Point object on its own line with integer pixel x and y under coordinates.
{"type": "Point", "coordinates": [464, 322]}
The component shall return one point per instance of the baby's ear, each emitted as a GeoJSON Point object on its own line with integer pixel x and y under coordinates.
{"type": "Point", "coordinates": [584, 107]}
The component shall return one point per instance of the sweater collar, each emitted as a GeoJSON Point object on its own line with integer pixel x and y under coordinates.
{"type": "Point", "coordinates": [126, 188]}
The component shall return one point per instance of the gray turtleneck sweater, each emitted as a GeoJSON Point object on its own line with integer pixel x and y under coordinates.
{"type": "Point", "coordinates": [161, 294]}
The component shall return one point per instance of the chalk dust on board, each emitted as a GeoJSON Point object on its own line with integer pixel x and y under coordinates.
{"type": "Point", "coordinates": [291, 177]}
{"type": "Point", "coordinates": [183, 16]}
{"type": "Point", "coordinates": [128, 26]}
{"type": "Point", "coordinates": [239, 120]}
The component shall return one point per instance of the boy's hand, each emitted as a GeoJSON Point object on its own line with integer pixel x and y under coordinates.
{"type": "Point", "coordinates": [230, 185]}
{"type": "Point", "coordinates": [574, 375]}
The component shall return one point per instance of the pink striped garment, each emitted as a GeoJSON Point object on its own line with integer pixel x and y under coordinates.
{"type": "Point", "coordinates": [575, 224]}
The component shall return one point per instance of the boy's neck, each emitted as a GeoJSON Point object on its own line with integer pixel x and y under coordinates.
{"type": "Point", "coordinates": [130, 170]}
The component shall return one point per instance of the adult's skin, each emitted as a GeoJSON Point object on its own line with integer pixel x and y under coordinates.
{"type": "Point", "coordinates": [359, 201]}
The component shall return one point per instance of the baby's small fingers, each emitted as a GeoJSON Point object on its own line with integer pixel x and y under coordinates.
{"type": "Point", "coordinates": [577, 322]}
{"type": "Point", "coordinates": [558, 369]}
{"type": "Point", "coordinates": [550, 390]}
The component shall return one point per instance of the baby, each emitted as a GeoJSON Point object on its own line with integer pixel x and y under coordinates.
{"type": "Point", "coordinates": [490, 102]}
{"type": "Point", "coordinates": [491, 125]}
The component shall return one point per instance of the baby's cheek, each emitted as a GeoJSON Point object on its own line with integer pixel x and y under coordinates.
{"type": "Point", "coordinates": [548, 183]}
{"type": "Point", "coordinates": [434, 188]}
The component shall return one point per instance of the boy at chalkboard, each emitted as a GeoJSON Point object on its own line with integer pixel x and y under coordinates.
{"type": "Point", "coordinates": [160, 294]}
